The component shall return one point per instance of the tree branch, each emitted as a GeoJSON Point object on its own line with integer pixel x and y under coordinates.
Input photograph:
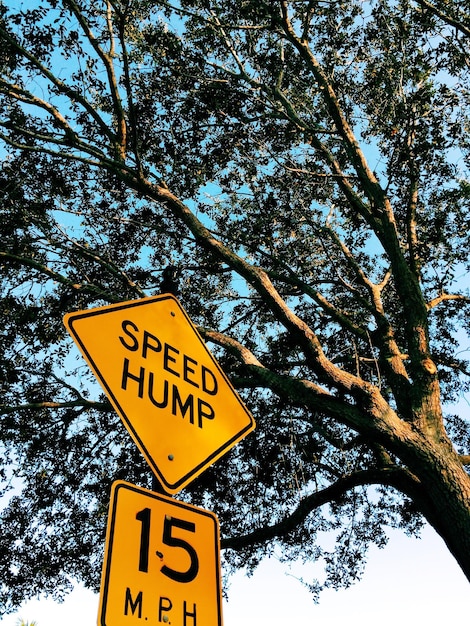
{"type": "Point", "coordinates": [389, 476]}
{"type": "Point", "coordinates": [305, 393]}
{"type": "Point", "coordinates": [111, 267]}
{"type": "Point", "coordinates": [336, 314]}
{"type": "Point", "coordinates": [445, 17]}
{"type": "Point", "coordinates": [64, 89]}
{"type": "Point", "coordinates": [369, 181]}
{"type": "Point", "coordinates": [71, 404]}
{"type": "Point", "coordinates": [15, 91]}
{"type": "Point", "coordinates": [130, 98]}
{"type": "Point", "coordinates": [60, 278]}
{"type": "Point", "coordinates": [379, 214]}
{"type": "Point", "coordinates": [443, 297]}
{"type": "Point", "coordinates": [107, 59]}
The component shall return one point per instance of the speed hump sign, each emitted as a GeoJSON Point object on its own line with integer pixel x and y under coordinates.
{"type": "Point", "coordinates": [161, 562]}
{"type": "Point", "coordinates": [164, 383]}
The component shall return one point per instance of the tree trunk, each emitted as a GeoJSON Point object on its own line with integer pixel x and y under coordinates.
{"type": "Point", "coordinates": [446, 496]}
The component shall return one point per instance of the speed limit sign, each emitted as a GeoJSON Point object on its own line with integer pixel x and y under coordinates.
{"type": "Point", "coordinates": [161, 563]}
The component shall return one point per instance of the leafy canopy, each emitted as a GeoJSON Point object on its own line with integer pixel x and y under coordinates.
{"type": "Point", "coordinates": [304, 167]}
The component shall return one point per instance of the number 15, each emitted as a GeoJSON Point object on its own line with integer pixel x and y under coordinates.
{"type": "Point", "coordinates": [168, 539]}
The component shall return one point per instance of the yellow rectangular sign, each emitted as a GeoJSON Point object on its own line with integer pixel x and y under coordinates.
{"type": "Point", "coordinates": [161, 563]}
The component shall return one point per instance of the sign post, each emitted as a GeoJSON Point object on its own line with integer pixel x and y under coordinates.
{"type": "Point", "coordinates": [164, 383]}
{"type": "Point", "coordinates": [162, 562]}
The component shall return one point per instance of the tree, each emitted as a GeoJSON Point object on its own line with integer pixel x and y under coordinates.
{"type": "Point", "coordinates": [302, 165]}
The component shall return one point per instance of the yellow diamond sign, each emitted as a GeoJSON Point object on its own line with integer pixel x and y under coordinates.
{"type": "Point", "coordinates": [164, 383]}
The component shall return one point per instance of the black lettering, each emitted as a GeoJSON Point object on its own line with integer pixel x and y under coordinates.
{"type": "Point", "coordinates": [176, 542]}
{"type": "Point", "coordinates": [209, 381]}
{"type": "Point", "coordinates": [164, 402]}
{"type": "Point", "coordinates": [167, 357]}
{"type": "Point", "coordinates": [189, 404]}
{"type": "Point", "coordinates": [204, 411]}
{"type": "Point", "coordinates": [134, 605]}
{"type": "Point", "coordinates": [125, 327]}
{"type": "Point", "coordinates": [163, 607]}
{"type": "Point", "coordinates": [189, 370]}
{"type": "Point", "coordinates": [138, 379]}
{"type": "Point", "coordinates": [147, 345]}
{"type": "Point", "coordinates": [186, 614]}
{"type": "Point", "coordinates": [144, 517]}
